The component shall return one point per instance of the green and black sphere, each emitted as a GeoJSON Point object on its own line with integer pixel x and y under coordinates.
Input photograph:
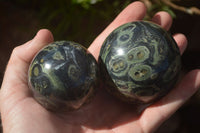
{"type": "Point", "coordinates": [140, 62]}
{"type": "Point", "coordinates": [63, 76]}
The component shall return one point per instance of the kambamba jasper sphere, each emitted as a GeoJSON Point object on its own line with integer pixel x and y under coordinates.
{"type": "Point", "coordinates": [63, 76]}
{"type": "Point", "coordinates": [141, 62]}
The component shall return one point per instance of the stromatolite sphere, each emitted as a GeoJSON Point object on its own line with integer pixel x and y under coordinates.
{"type": "Point", "coordinates": [63, 76]}
{"type": "Point", "coordinates": [141, 62]}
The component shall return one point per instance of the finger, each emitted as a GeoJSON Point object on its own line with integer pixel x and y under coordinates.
{"type": "Point", "coordinates": [22, 56]}
{"type": "Point", "coordinates": [133, 12]}
{"type": "Point", "coordinates": [156, 114]}
{"type": "Point", "coordinates": [27, 51]}
{"type": "Point", "coordinates": [181, 41]}
{"type": "Point", "coordinates": [16, 71]}
{"type": "Point", "coordinates": [163, 19]}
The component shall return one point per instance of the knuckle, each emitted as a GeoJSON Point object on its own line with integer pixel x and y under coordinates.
{"type": "Point", "coordinates": [16, 50]}
{"type": "Point", "coordinates": [14, 54]}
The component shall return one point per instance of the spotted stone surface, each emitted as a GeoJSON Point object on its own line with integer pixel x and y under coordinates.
{"type": "Point", "coordinates": [63, 76]}
{"type": "Point", "coordinates": [140, 61]}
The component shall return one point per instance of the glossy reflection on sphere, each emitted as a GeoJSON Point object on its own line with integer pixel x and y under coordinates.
{"type": "Point", "coordinates": [63, 76]}
{"type": "Point", "coordinates": [140, 61]}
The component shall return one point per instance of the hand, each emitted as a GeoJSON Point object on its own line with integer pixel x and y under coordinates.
{"type": "Point", "coordinates": [21, 113]}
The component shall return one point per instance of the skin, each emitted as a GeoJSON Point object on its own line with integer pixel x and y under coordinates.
{"type": "Point", "coordinates": [21, 113]}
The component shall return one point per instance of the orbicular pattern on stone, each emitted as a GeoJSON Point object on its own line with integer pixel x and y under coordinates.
{"type": "Point", "coordinates": [141, 62]}
{"type": "Point", "coordinates": [63, 75]}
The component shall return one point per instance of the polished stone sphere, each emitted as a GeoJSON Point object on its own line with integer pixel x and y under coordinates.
{"type": "Point", "coordinates": [63, 76]}
{"type": "Point", "coordinates": [141, 62]}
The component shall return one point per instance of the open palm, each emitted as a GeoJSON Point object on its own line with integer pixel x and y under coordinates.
{"type": "Point", "coordinates": [21, 113]}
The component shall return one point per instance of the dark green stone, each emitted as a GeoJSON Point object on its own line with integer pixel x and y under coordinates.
{"type": "Point", "coordinates": [141, 62]}
{"type": "Point", "coordinates": [63, 76]}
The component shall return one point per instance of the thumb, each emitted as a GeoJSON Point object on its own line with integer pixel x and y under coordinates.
{"type": "Point", "coordinates": [15, 83]}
